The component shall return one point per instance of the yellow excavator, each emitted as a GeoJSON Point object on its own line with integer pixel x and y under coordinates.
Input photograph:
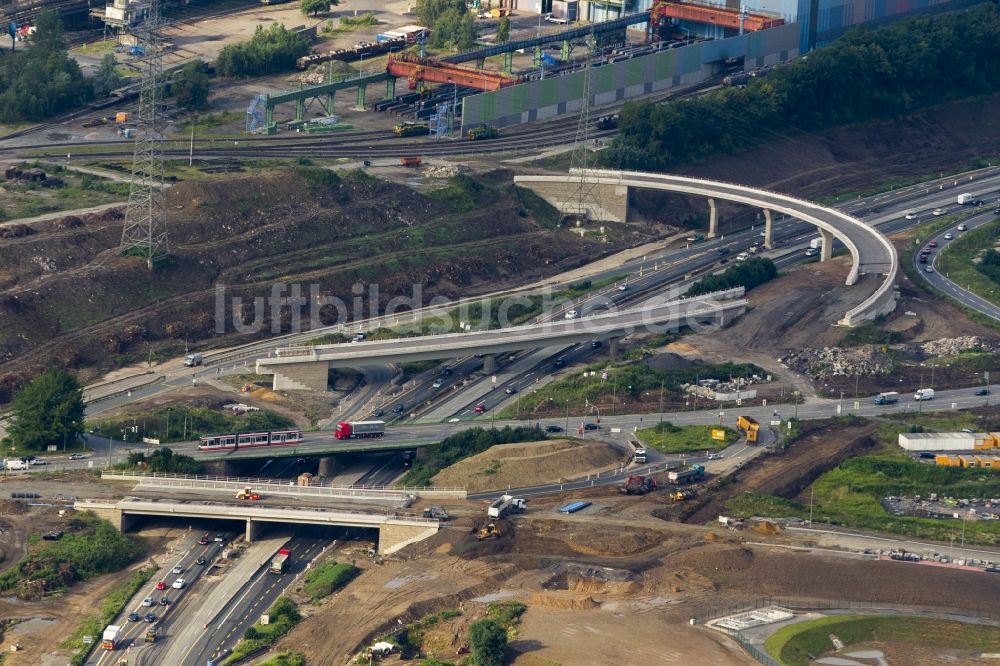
{"type": "Point", "coordinates": [682, 495]}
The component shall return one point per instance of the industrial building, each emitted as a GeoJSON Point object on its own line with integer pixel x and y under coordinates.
{"type": "Point", "coordinates": [950, 441]}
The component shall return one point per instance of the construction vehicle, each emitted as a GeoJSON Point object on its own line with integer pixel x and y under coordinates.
{"type": "Point", "coordinates": [280, 561]}
{"type": "Point", "coordinates": [151, 634]}
{"type": "Point", "coordinates": [410, 128]}
{"type": "Point", "coordinates": [436, 512]}
{"type": "Point", "coordinates": [410, 161]}
{"type": "Point", "coordinates": [750, 427]}
{"type": "Point", "coordinates": [482, 132]}
{"type": "Point", "coordinates": [488, 531]}
{"type": "Point", "coordinates": [637, 485]}
{"type": "Point", "coordinates": [506, 505]}
{"type": "Point", "coordinates": [109, 640]}
{"type": "Point", "coordinates": [682, 495]}
{"type": "Point", "coordinates": [247, 494]}
{"type": "Point", "coordinates": [640, 455]}
{"type": "Point", "coordinates": [690, 475]}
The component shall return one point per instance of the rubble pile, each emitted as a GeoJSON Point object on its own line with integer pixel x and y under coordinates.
{"type": "Point", "coordinates": [443, 171]}
{"type": "Point", "coordinates": [833, 361]}
{"type": "Point", "coordinates": [952, 346]}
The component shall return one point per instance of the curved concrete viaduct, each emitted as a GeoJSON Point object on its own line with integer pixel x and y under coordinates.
{"type": "Point", "coordinates": [306, 367]}
{"type": "Point", "coordinates": [607, 199]}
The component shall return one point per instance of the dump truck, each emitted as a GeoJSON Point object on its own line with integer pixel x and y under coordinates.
{"type": "Point", "coordinates": [506, 505]}
{"type": "Point", "coordinates": [637, 485]}
{"type": "Point", "coordinates": [692, 474]}
{"type": "Point", "coordinates": [682, 495]}
{"type": "Point", "coordinates": [280, 561]}
{"type": "Point", "coordinates": [247, 494]}
{"type": "Point", "coordinates": [488, 531]}
{"type": "Point", "coordinates": [748, 426]}
{"type": "Point", "coordinates": [482, 132]}
{"type": "Point", "coordinates": [111, 636]}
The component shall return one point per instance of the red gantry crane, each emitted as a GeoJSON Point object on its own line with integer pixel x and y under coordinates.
{"type": "Point", "coordinates": [434, 71]}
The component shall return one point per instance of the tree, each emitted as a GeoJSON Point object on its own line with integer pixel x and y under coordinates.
{"type": "Point", "coordinates": [48, 410]}
{"type": "Point", "coordinates": [430, 11]}
{"type": "Point", "coordinates": [268, 51]}
{"type": "Point", "coordinates": [454, 28]}
{"type": "Point", "coordinates": [488, 641]}
{"type": "Point", "coordinates": [190, 86]}
{"type": "Point", "coordinates": [42, 80]}
{"type": "Point", "coordinates": [314, 7]}
{"type": "Point", "coordinates": [503, 30]}
{"type": "Point", "coordinates": [107, 77]}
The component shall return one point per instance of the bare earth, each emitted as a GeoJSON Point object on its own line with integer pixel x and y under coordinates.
{"type": "Point", "coordinates": [529, 464]}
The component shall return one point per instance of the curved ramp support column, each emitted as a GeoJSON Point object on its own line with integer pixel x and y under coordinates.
{"type": "Point", "coordinates": [827, 252]}
{"type": "Point", "coordinates": [768, 230]}
{"type": "Point", "coordinates": [713, 219]}
{"type": "Point", "coordinates": [327, 467]}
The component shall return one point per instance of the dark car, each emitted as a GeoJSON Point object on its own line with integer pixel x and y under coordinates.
{"type": "Point", "coordinates": [379, 412]}
{"type": "Point", "coordinates": [510, 390]}
{"type": "Point", "coordinates": [722, 251]}
{"type": "Point", "coordinates": [149, 617]}
{"type": "Point", "coordinates": [983, 391]}
{"type": "Point", "coordinates": [591, 426]}
{"type": "Point", "coordinates": [560, 362]}
{"type": "Point", "coordinates": [922, 259]}
{"type": "Point", "coordinates": [54, 535]}
{"type": "Point", "coordinates": [398, 408]}
{"type": "Point", "coordinates": [201, 561]}
{"type": "Point", "coordinates": [134, 617]}
{"type": "Point", "coordinates": [164, 601]}
{"type": "Point", "coordinates": [553, 428]}
{"type": "Point", "coordinates": [992, 569]}
{"type": "Point", "coordinates": [594, 344]}
{"type": "Point", "coordinates": [446, 371]}
{"type": "Point", "coordinates": [203, 541]}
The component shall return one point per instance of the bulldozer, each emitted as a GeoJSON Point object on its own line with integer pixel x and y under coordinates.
{"type": "Point", "coordinates": [488, 531]}
{"type": "Point", "coordinates": [247, 494]}
{"type": "Point", "coordinates": [682, 495]}
{"type": "Point", "coordinates": [637, 485]}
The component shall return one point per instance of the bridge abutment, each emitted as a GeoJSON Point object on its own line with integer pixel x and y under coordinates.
{"type": "Point", "coordinates": [298, 376]}
{"type": "Point", "coordinates": [602, 202]}
{"type": "Point", "coordinates": [394, 534]}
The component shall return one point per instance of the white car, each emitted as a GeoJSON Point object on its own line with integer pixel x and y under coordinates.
{"type": "Point", "coordinates": [148, 601]}
{"type": "Point", "coordinates": [812, 252]}
{"type": "Point", "coordinates": [938, 212]}
{"type": "Point", "coordinates": [177, 570]}
{"type": "Point", "coordinates": [910, 216]}
{"type": "Point", "coordinates": [948, 236]}
{"type": "Point", "coordinates": [623, 287]}
{"type": "Point", "coordinates": [742, 256]}
{"type": "Point", "coordinates": [438, 383]}
{"type": "Point", "coordinates": [961, 227]}
{"type": "Point", "coordinates": [572, 314]}
{"type": "Point", "coordinates": [179, 584]}
{"type": "Point", "coordinates": [39, 461]}
{"type": "Point", "coordinates": [714, 456]}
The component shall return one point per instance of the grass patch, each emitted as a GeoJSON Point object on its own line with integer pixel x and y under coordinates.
{"type": "Point", "coordinates": [327, 578]}
{"type": "Point", "coordinates": [284, 615]}
{"type": "Point", "coordinates": [632, 382]}
{"type": "Point", "coordinates": [90, 547]}
{"type": "Point", "coordinates": [111, 606]}
{"type": "Point", "coordinates": [957, 260]}
{"type": "Point", "coordinates": [668, 438]}
{"type": "Point", "coordinates": [850, 495]}
{"type": "Point", "coordinates": [799, 644]}
{"type": "Point", "coordinates": [350, 23]}
{"type": "Point", "coordinates": [182, 423]}
{"type": "Point", "coordinates": [462, 445]}
{"type": "Point", "coordinates": [584, 287]}
{"type": "Point", "coordinates": [286, 659]}
{"type": "Point", "coordinates": [410, 639]}
{"type": "Point", "coordinates": [870, 333]}
{"type": "Point", "coordinates": [463, 194]}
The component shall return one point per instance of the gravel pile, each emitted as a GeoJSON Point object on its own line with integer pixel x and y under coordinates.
{"type": "Point", "coordinates": [833, 361]}
{"type": "Point", "coordinates": [952, 346]}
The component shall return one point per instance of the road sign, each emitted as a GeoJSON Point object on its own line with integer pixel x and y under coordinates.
{"type": "Point", "coordinates": [719, 434]}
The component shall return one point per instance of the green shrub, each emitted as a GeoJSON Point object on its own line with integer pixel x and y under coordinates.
{"type": "Point", "coordinates": [750, 273]}
{"type": "Point", "coordinates": [328, 577]}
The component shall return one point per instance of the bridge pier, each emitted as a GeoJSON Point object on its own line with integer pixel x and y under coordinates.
{"type": "Point", "coordinates": [768, 230]}
{"type": "Point", "coordinates": [713, 219]}
{"type": "Point", "coordinates": [827, 251]}
{"type": "Point", "coordinates": [300, 110]}
{"type": "Point", "coordinates": [329, 104]}
{"type": "Point", "coordinates": [489, 364]}
{"type": "Point", "coordinates": [565, 50]}
{"type": "Point", "coordinates": [390, 87]}
{"type": "Point", "coordinates": [360, 106]}
{"type": "Point", "coordinates": [327, 467]}
{"type": "Point", "coordinates": [508, 62]}
{"type": "Point", "coordinates": [252, 531]}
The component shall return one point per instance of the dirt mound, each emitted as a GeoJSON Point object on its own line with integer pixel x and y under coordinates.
{"type": "Point", "coordinates": [715, 558]}
{"type": "Point", "coordinates": [78, 304]}
{"type": "Point", "coordinates": [563, 600]}
{"type": "Point", "coordinates": [534, 463]}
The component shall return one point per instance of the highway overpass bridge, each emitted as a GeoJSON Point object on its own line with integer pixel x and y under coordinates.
{"type": "Point", "coordinates": [306, 367]}
{"type": "Point", "coordinates": [602, 194]}
{"type": "Point", "coordinates": [395, 531]}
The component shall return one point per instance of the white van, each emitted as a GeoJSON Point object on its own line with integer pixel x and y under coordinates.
{"type": "Point", "coordinates": [924, 394]}
{"type": "Point", "coordinates": [14, 464]}
{"type": "Point", "coordinates": [816, 243]}
{"type": "Point", "coordinates": [192, 360]}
